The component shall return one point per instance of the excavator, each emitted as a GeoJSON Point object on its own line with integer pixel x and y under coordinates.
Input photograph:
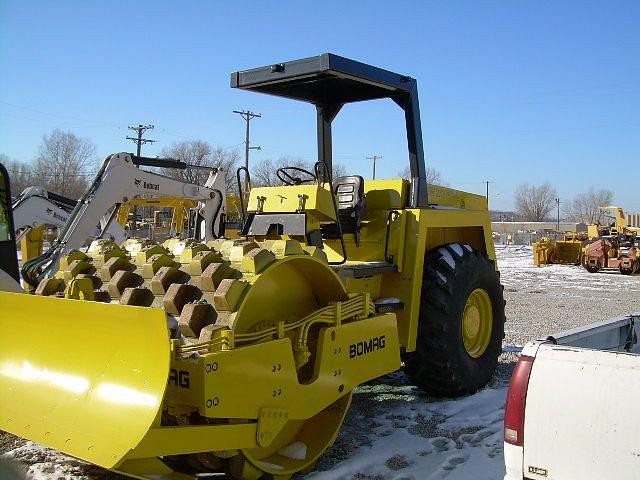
{"type": "Point", "coordinates": [240, 356]}
{"type": "Point", "coordinates": [119, 181]}
{"type": "Point", "coordinates": [180, 206]}
{"type": "Point", "coordinates": [37, 208]}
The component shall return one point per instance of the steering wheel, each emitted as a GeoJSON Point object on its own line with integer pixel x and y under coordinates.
{"type": "Point", "coordinates": [290, 175]}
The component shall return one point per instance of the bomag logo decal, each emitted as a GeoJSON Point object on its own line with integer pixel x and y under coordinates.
{"type": "Point", "coordinates": [543, 472]}
{"type": "Point", "coordinates": [367, 346]}
{"type": "Point", "coordinates": [179, 378]}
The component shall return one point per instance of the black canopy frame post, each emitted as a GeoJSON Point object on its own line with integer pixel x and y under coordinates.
{"type": "Point", "coordinates": [329, 82]}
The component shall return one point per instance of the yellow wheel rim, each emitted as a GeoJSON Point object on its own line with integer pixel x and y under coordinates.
{"type": "Point", "coordinates": [477, 323]}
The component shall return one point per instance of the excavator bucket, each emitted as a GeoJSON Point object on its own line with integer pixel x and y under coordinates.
{"type": "Point", "coordinates": [85, 378]}
{"type": "Point", "coordinates": [564, 252]}
{"type": "Point", "coordinates": [567, 252]}
{"type": "Point", "coordinates": [543, 252]}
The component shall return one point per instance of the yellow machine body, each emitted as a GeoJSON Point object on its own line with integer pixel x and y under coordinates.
{"type": "Point", "coordinates": [234, 207]}
{"type": "Point", "coordinates": [31, 246]}
{"type": "Point", "coordinates": [240, 356]}
{"type": "Point", "coordinates": [619, 225]}
{"type": "Point", "coordinates": [251, 383]}
{"type": "Point", "coordinates": [73, 382]}
{"type": "Point", "coordinates": [455, 216]}
{"type": "Point", "coordinates": [570, 250]}
{"type": "Point", "coordinates": [217, 383]}
{"type": "Point", "coordinates": [314, 200]}
{"type": "Point", "coordinates": [564, 252]}
{"type": "Point", "coordinates": [179, 205]}
{"type": "Point", "coordinates": [119, 384]}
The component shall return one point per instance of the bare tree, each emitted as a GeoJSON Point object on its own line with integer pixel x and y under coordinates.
{"type": "Point", "coordinates": [584, 207]}
{"type": "Point", "coordinates": [64, 163]}
{"type": "Point", "coordinates": [434, 177]}
{"type": "Point", "coordinates": [339, 170]}
{"type": "Point", "coordinates": [200, 154]}
{"type": "Point", "coordinates": [20, 174]}
{"type": "Point", "coordinates": [264, 172]}
{"type": "Point", "coordinates": [534, 204]}
{"type": "Point", "coordinates": [228, 161]}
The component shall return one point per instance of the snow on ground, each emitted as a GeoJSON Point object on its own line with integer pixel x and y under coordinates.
{"type": "Point", "coordinates": [544, 300]}
{"type": "Point", "coordinates": [413, 437]}
{"type": "Point", "coordinates": [40, 463]}
{"type": "Point", "coordinates": [392, 430]}
{"type": "Point", "coordinates": [517, 269]}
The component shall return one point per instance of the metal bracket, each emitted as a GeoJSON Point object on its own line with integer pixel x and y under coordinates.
{"type": "Point", "coordinates": [632, 338]}
{"type": "Point", "coordinates": [80, 289]}
{"type": "Point", "coordinates": [302, 200]}
{"type": "Point", "coordinates": [391, 216]}
{"type": "Point", "coordinates": [270, 422]}
{"type": "Point", "coordinates": [261, 201]}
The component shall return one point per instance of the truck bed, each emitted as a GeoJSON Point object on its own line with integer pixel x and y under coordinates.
{"type": "Point", "coordinates": [580, 417]}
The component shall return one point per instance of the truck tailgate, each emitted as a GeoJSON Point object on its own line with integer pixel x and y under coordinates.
{"type": "Point", "coordinates": [582, 415]}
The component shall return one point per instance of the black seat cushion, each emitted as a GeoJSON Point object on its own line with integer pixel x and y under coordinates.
{"type": "Point", "coordinates": [349, 191]}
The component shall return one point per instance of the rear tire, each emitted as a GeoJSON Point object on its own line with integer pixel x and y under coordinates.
{"type": "Point", "coordinates": [442, 365]}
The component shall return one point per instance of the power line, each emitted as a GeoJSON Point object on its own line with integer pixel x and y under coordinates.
{"type": "Point", "coordinates": [99, 122]}
{"type": "Point", "coordinates": [50, 175]}
{"type": "Point", "coordinates": [375, 158]}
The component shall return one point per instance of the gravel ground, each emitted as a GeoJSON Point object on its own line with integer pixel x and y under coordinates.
{"type": "Point", "coordinates": [540, 301]}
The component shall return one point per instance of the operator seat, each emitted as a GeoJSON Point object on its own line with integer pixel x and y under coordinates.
{"type": "Point", "coordinates": [351, 201]}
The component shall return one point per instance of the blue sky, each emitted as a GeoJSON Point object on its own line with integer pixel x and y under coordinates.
{"type": "Point", "coordinates": [510, 91]}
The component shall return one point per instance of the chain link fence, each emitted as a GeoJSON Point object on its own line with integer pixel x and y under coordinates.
{"type": "Point", "coordinates": [524, 238]}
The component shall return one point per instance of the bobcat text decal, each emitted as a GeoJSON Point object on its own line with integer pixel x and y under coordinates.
{"type": "Point", "coordinates": [147, 185]}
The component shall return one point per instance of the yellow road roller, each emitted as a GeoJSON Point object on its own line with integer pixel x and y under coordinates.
{"type": "Point", "coordinates": [241, 355]}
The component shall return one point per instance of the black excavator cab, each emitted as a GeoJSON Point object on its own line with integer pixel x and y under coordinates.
{"type": "Point", "coordinates": [8, 253]}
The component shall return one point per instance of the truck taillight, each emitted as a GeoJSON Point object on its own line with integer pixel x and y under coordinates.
{"type": "Point", "coordinates": [516, 401]}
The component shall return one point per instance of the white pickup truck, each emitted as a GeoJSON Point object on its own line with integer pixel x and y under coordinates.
{"type": "Point", "coordinates": [572, 407]}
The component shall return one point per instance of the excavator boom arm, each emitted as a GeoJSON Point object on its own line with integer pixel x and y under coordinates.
{"type": "Point", "coordinates": [118, 181]}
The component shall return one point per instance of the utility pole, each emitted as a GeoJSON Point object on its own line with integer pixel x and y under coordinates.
{"type": "Point", "coordinates": [487, 182]}
{"type": "Point", "coordinates": [374, 158]}
{"type": "Point", "coordinates": [139, 141]}
{"type": "Point", "coordinates": [558, 217]}
{"type": "Point", "coordinates": [248, 116]}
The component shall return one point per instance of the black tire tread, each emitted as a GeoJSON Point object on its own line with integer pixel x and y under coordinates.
{"type": "Point", "coordinates": [437, 366]}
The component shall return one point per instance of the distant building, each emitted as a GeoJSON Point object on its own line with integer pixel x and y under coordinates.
{"type": "Point", "coordinates": [500, 215]}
